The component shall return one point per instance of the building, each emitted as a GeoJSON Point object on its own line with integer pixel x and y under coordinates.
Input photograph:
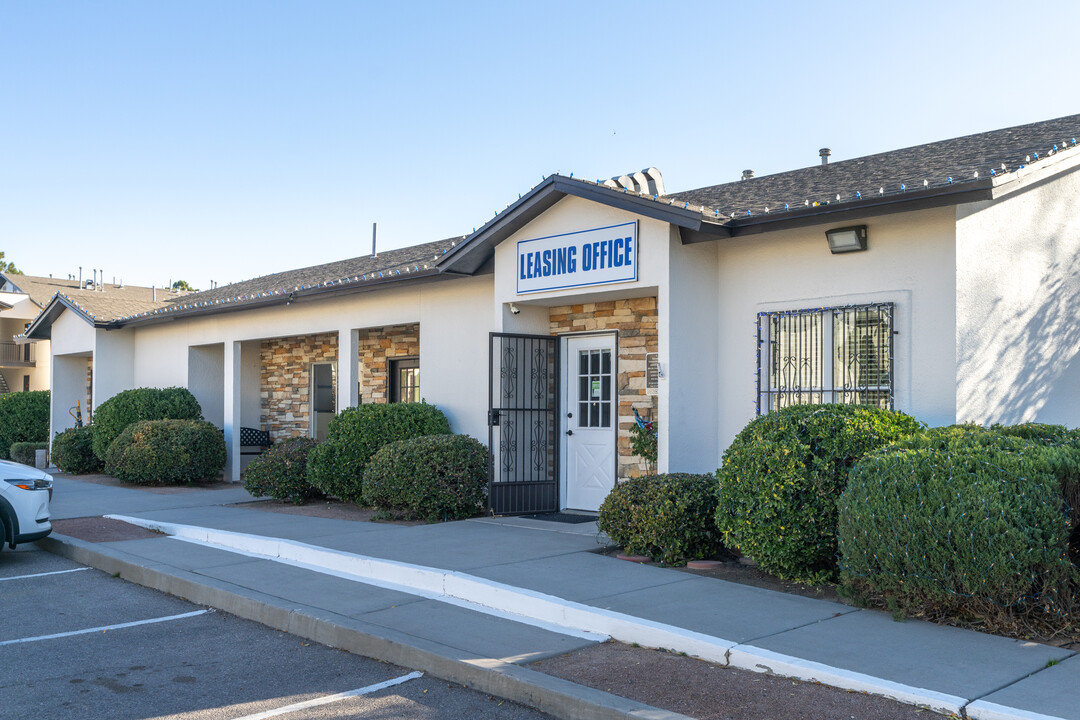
{"type": "Point", "coordinates": [939, 280]}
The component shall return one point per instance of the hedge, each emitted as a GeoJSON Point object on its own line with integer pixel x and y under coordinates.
{"type": "Point", "coordinates": [73, 451]}
{"type": "Point", "coordinates": [26, 452]}
{"type": "Point", "coordinates": [670, 518]}
{"type": "Point", "coordinates": [962, 521]}
{"type": "Point", "coordinates": [166, 452]}
{"type": "Point", "coordinates": [336, 466]}
{"type": "Point", "coordinates": [124, 408]}
{"type": "Point", "coordinates": [433, 477]}
{"type": "Point", "coordinates": [281, 472]}
{"type": "Point", "coordinates": [781, 478]}
{"type": "Point", "coordinates": [24, 417]}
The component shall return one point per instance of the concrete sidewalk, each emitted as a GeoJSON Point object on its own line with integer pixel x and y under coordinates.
{"type": "Point", "coordinates": [473, 601]}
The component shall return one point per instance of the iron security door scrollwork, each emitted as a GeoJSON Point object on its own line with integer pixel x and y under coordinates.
{"type": "Point", "coordinates": [522, 437]}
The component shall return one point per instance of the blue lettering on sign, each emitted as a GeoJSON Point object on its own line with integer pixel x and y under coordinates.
{"type": "Point", "coordinates": [586, 257]}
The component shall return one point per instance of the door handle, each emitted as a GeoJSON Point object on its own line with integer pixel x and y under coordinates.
{"type": "Point", "coordinates": [569, 432]}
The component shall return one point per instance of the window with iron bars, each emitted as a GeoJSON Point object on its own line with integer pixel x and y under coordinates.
{"type": "Point", "coordinates": [825, 355]}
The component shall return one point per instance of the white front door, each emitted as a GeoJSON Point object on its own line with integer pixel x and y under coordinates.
{"type": "Point", "coordinates": [591, 417]}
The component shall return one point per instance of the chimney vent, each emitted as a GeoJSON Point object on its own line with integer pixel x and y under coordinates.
{"type": "Point", "coordinates": [824, 153]}
{"type": "Point", "coordinates": [747, 174]}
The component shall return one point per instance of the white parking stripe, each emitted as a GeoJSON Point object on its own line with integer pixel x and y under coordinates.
{"type": "Point", "coordinates": [54, 572]}
{"type": "Point", "coordinates": [103, 628]}
{"type": "Point", "coordinates": [332, 698]}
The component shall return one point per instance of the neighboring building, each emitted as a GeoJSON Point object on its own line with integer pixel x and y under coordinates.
{"type": "Point", "coordinates": [948, 292]}
{"type": "Point", "coordinates": [25, 363]}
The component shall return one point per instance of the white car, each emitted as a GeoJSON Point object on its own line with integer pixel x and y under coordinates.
{"type": "Point", "coordinates": [24, 503]}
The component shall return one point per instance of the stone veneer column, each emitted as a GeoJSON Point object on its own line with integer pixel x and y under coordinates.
{"type": "Point", "coordinates": [286, 381]}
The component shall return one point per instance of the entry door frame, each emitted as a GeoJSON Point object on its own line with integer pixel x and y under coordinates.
{"type": "Point", "coordinates": [313, 388]}
{"type": "Point", "coordinates": [566, 390]}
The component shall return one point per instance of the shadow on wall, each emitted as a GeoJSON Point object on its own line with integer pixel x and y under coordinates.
{"type": "Point", "coordinates": [1017, 359]}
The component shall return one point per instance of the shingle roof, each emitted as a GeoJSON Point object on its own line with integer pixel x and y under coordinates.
{"type": "Point", "coordinates": [42, 289]}
{"type": "Point", "coordinates": [935, 164]}
{"type": "Point", "coordinates": [388, 266]}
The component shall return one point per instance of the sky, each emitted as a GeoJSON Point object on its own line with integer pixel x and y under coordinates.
{"type": "Point", "coordinates": [225, 139]}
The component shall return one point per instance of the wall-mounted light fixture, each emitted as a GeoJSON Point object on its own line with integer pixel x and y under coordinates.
{"type": "Point", "coordinates": [846, 239]}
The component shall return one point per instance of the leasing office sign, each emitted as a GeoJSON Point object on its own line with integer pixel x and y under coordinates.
{"type": "Point", "coordinates": [587, 257]}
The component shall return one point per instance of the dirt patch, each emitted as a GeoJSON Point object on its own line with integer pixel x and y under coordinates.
{"type": "Point", "coordinates": [710, 692]}
{"type": "Point", "coordinates": [329, 509]}
{"type": "Point", "coordinates": [99, 529]}
{"type": "Point", "coordinates": [100, 479]}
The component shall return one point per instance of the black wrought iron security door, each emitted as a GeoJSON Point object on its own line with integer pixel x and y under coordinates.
{"type": "Point", "coordinates": [523, 402]}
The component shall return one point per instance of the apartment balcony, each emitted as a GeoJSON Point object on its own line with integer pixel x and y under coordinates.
{"type": "Point", "coordinates": [13, 355]}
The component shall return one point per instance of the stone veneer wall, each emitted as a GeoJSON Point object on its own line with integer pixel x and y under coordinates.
{"type": "Point", "coordinates": [286, 381]}
{"type": "Point", "coordinates": [88, 415]}
{"type": "Point", "coordinates": [377, 347]}
{"type": "Point", "coordinates": [635, 320]}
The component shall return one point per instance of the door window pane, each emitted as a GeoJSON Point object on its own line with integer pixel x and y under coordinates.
{"type": "Point", "coordinates": [594, 389]}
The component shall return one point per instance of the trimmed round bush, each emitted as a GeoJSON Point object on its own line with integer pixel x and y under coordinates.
{"type": "Point", "coordinates": [435, 477]}
{"type": "Point", "coordinates": [26, 452]}
{"type": "Point", "coordinates": [670, 517]}
{"type": "Point", "coordinates": [281, 472]}
{"type": "Point", "coordinates": [24, 417]}
{"type": "Point", "coordinates": [336, 466]}
{"type": "Point", "coordinates": [73, 451]}
{"type": "Point", "coordinates": [166, 452]}
{"type": "Point", "coordinates": [782, 476]}
{"type": "Point", "coordinates": [124, 408]}
{"type": "Point", "coordinates": [961, 521]}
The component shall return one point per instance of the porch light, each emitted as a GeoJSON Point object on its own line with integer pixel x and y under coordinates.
{"type": "Point", "coordinates": [846, 239]}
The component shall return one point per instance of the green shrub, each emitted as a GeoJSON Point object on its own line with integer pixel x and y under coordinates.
{"type": "Point", "coordinates": [781, 478]}
{"type": "Point", "coordinates": [433, 477]}
{"type": "Point", "coordinates": [26, 452]}
{"type": "Point", "coordinates": [124, 408]}
{"type": "Point", "coordinates": [24, 417]}
{"type": "Point", "coordinates": [670, 518]}
{"type": "Point", "coordinates": [166, 452]}
{"type": "Point", "coordinates": [73, 451]}
{"type": "Point", "coordinates": [961, 521]}
{"type": "Point", "coordinates": [336, 466]}
{"type": "Point", "coordinates": [281, 472]}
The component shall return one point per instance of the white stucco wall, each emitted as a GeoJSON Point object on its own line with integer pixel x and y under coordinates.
{"type": "Point", "coordinates": [689, 344]}
{"type": "Point", "coordinates": [910, 261]}
{"type": "Point", "coordinates": [1018, 290]}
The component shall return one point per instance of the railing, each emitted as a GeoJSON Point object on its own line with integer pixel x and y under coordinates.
{"type": "Point", "coordinates": [20, 354]}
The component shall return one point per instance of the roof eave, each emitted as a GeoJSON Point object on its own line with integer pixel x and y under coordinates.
{"type": "Point", "coordinates": [849, 211]}
{"type": "Point", "coordinates": [282, 298]}
{"type": "Point", "coordinates": [40, 327]}
{"type": "Point", "coordinates": [469, 256]}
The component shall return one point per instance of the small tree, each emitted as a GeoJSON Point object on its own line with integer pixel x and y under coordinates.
{"type": "Point", "coordinates": [8, 267]}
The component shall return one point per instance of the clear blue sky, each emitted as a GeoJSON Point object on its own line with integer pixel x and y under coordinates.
{"type": "Point", "coordinates": [226, 139]}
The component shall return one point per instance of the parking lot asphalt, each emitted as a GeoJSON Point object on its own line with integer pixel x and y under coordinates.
{"type": "Point", "coordinates": [78, 643]}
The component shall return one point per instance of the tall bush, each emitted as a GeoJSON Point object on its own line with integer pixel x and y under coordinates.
{"type": "Point", "coordinates": [73, 451]}
{"type": "Point", "coordinates": [124, 408]}
{"type": "Point", "coordinates": [336, 466]}
{"type": "Point", "coordinates": [781, 478]}
{"type": "Point", "coordinates": [166, 452]}
{"type": "Point", "coordinates": [281, 472]}
{"type": "Point", "coordinates": [434, 477]}
{"type": "Point", "coordinates": [670, 518]}
{"type": "Point", "coordinates": [962, 521]}
{"type": "Point", "coordinates": [24, 417]}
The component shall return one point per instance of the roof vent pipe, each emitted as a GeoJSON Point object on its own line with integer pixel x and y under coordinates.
{"type": "Point", "coordinates": [374, 229]}
{"type": "Point", "coordinates": [153, 293]}
{"type": "Point", "coordinates": [824, 153]}
{"type": "Point", "coordinates": [747, 174]}
{"type": "Point", "coordinates": [101, 285]}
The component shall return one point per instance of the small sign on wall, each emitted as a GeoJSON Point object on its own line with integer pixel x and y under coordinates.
{"type": "Point", "coordinates": [599, 256]}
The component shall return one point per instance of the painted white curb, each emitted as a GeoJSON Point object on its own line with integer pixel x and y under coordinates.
{"type": "Point", "coordinates": [567, 616]}
{"type": "Point", "coordinates": [506, 600]}
{"type": "Point", "coordinates": [983, 710]}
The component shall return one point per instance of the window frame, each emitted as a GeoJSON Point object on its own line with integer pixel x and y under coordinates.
{"type": "Point", "coordinates": [396, 366]}
{"type": "Point", "coordinates": [811, 362]}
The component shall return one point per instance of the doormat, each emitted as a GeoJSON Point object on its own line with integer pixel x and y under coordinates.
{"type": "Point", "coordinates": [570, 518]}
